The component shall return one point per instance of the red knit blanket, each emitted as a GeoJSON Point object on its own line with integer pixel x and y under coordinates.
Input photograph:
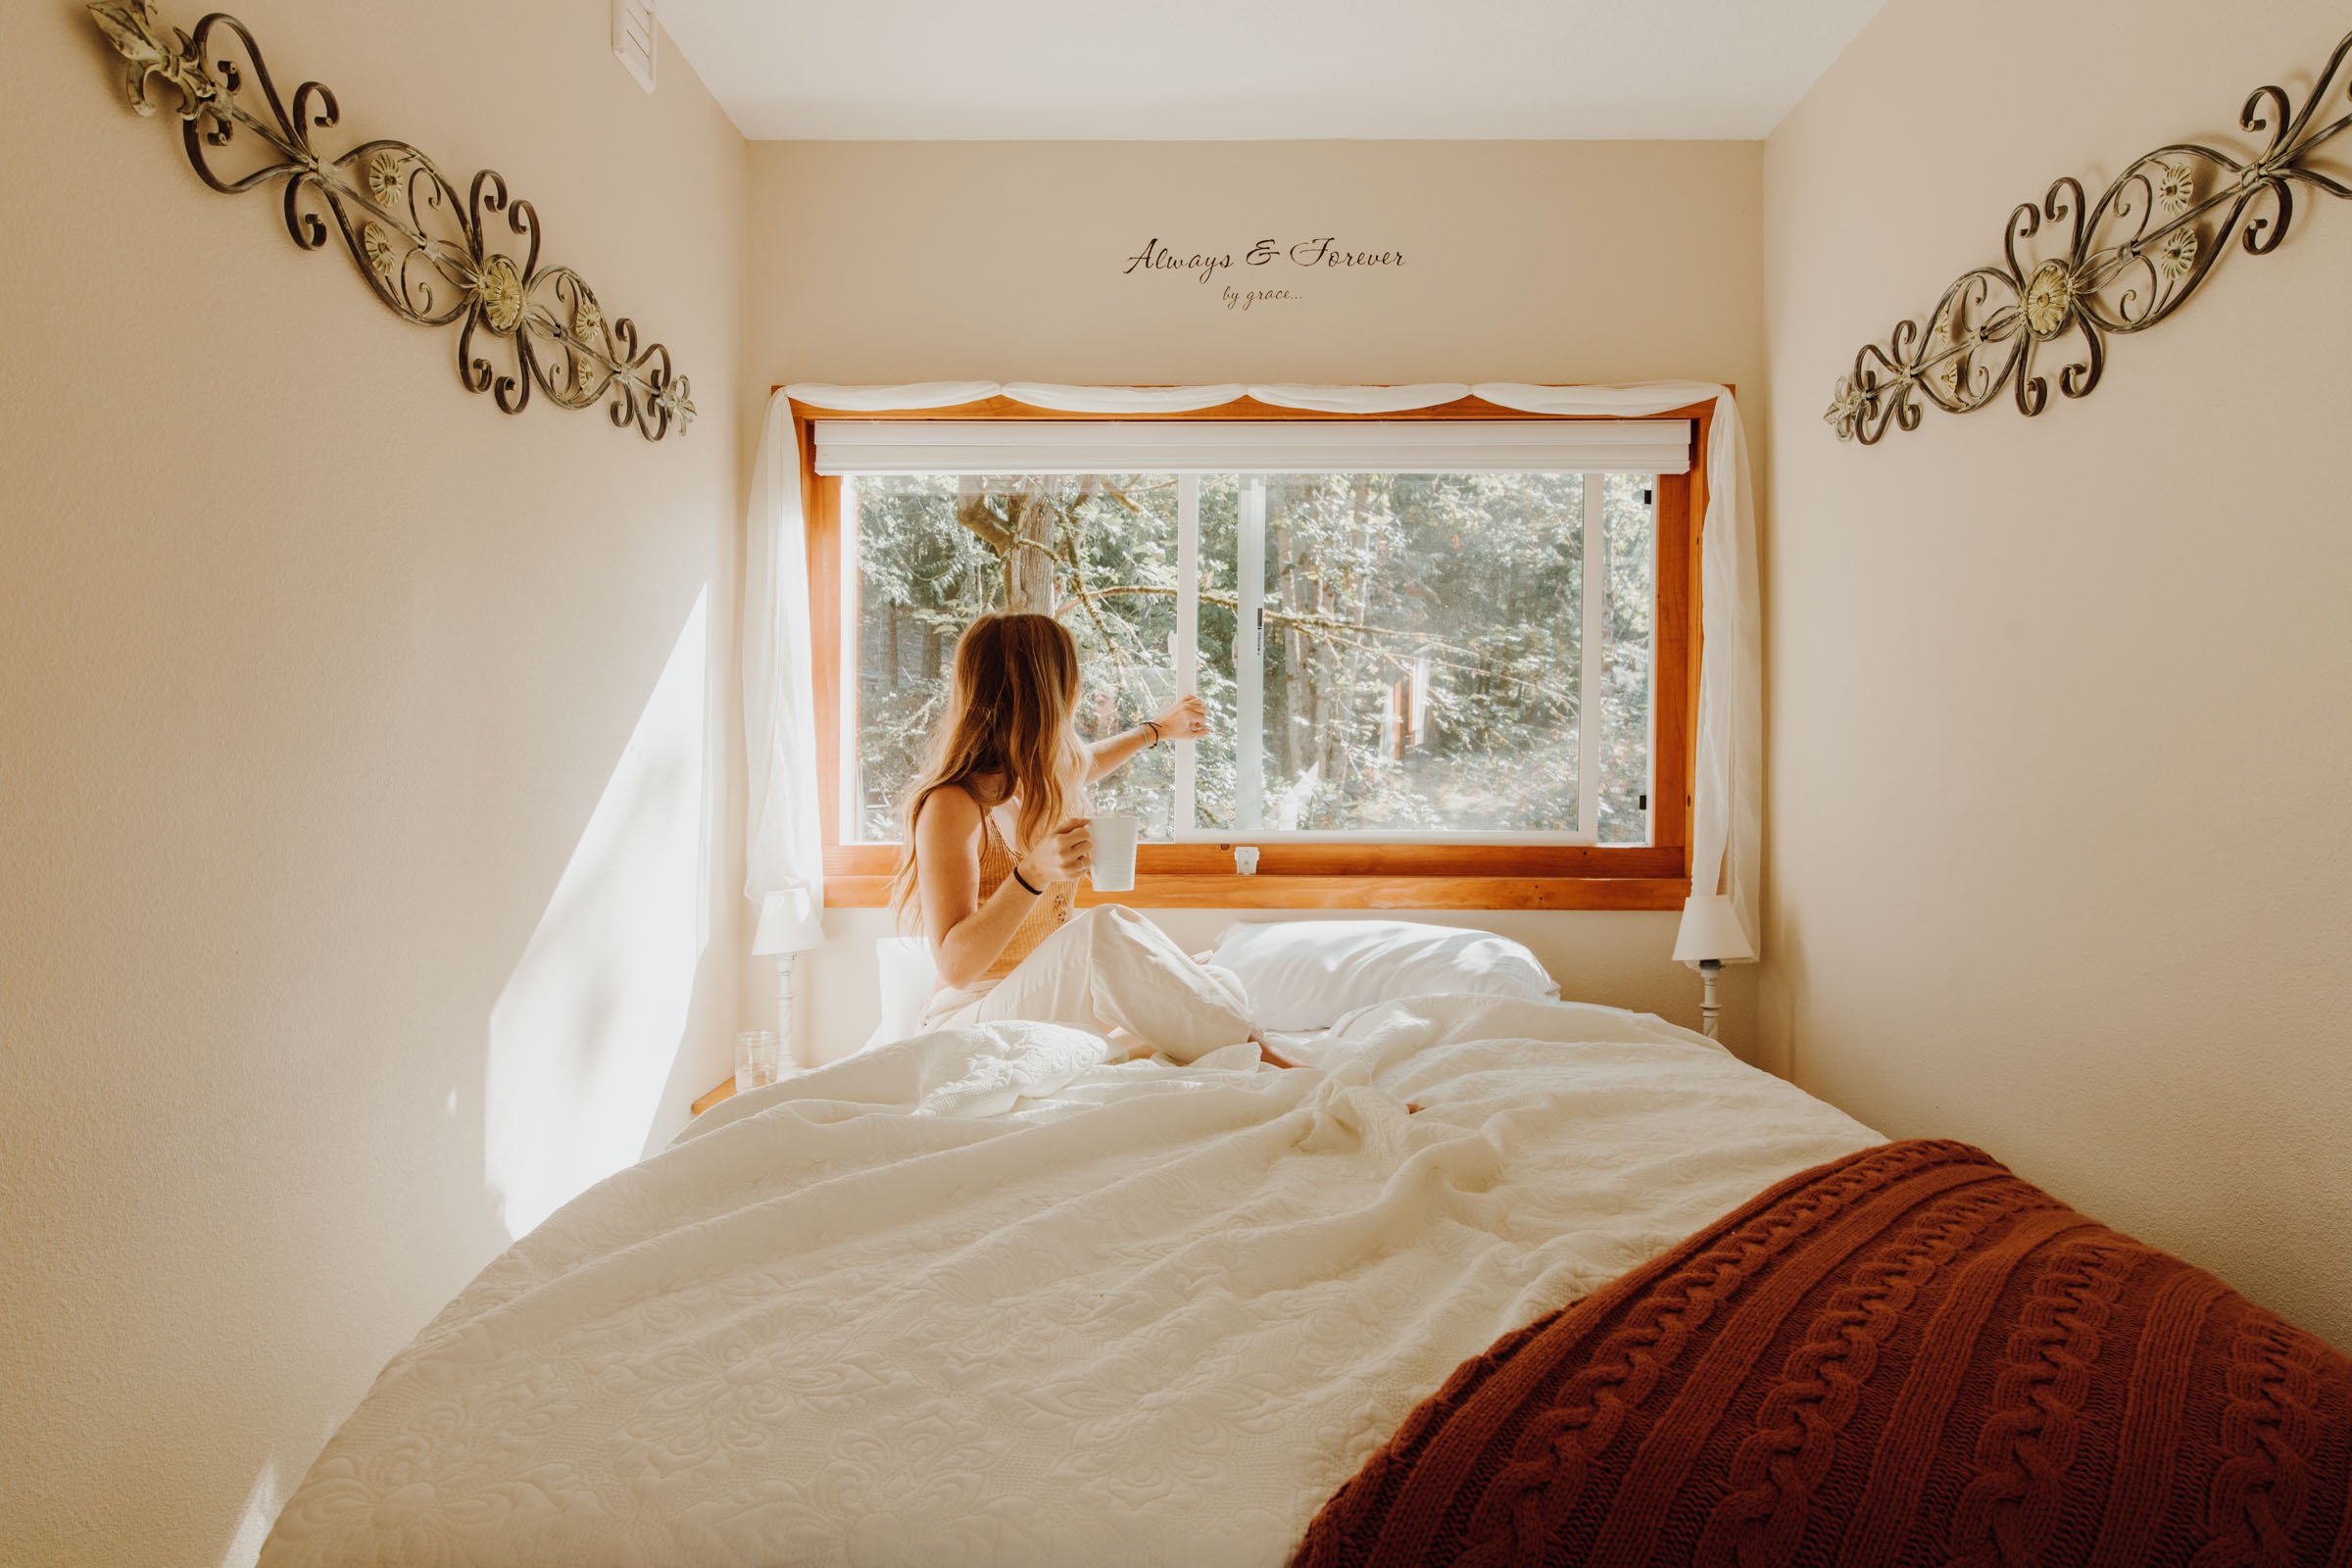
{"type": "Point", "coordinates": [1906, 1356]}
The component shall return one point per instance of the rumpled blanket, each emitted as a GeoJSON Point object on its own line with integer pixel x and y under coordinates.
{"type": "Point", "coordinates": [983, 1297]}
{"type": "Point", "coordinates": [1906, 1356]}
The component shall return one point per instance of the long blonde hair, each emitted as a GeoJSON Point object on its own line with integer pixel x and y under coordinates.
{"type": "Point", "coordinates": [1009, 713]}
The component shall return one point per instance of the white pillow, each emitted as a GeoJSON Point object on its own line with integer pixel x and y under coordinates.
{"type": "Point", "coordinates": [1305, 974]}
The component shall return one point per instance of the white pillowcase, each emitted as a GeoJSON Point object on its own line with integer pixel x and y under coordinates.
{"type": "Point", "coordinates": [1305, 974]}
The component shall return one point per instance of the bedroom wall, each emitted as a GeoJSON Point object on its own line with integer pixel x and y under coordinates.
{"type": "Point", "coordinates": [369, 856]}
{"type": "Point", "coordinates": [1524, 261]}
{"type": "Point", "coordinates": [2059, 850]}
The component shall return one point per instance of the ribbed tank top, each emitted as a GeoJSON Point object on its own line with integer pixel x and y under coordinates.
{"type": "Point", "coordinates": [1045, 916]}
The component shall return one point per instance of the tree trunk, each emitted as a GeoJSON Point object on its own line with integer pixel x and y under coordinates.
{"type": "Point", "coordinates": [1029, 574]}
{"type": "Point", "coordinates": [1329, 711]}
{"type": "Point", "coordinates": [1335, 714]}
{"type": "Point", "coordinates": [1296, 680]}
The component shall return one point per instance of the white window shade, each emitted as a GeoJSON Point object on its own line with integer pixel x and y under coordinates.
{"type": "Point", "coordinates": [1230, 446]}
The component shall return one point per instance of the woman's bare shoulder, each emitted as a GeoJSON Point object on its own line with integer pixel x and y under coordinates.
{"type": "Point", "coordinates": [949, 813]}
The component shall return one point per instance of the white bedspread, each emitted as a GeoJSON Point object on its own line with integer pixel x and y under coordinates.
{"type": "Point", "coordinates": [978, 1298]}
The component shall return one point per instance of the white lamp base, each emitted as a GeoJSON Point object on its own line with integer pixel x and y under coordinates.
{"type": "Point", "coordinates": [1708, 1011]}
{"type": "Point", "coordinates": [785, 1047]}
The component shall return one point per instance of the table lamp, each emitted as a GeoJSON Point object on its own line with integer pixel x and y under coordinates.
{"type": "Point", "coordinates": [1710, 935]}
{"type": "Point", "coordinates": [787, 927]}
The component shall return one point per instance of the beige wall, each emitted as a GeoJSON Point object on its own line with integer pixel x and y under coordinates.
{"type": "Point", "coordinates": [1524, 261]}
{"type": "Point", "coordinates": [370, 861]}
{"type": "Point", "coordinates": [366, 758]}
{"type": "Point", "coordinates": [2059, 858]}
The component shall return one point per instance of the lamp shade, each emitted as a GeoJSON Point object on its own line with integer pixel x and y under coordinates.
{"type": "Point", "coordinates": [1711, 930]}
{"type": "Point", "coordinates": [788, 923]}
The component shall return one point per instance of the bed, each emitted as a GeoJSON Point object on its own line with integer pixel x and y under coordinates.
{"type": "Point", "coordinates": [989, 1296]}
{"type": "Point", "coordinates": [980, 1296]}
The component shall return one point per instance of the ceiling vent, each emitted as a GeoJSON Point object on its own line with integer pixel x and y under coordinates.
{"type": "Point", "coordinates": [636, 40]}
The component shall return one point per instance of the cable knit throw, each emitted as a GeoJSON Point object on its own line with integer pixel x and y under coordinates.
{"type": "Point", "coordinates": [1905, 1356]}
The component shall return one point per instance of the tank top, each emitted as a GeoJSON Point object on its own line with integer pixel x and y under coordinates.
{"type": "Point", "coordinates": [1045, 916]}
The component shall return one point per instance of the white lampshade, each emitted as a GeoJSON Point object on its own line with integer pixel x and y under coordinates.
{"type": "Point", "coordinates": [788, 923]}
{"type": "Point", "coordinates": [1711, 930]}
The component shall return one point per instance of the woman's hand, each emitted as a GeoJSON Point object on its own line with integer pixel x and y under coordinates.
{"type": "Point", "coordinates": [1062, 855]}
{"type": "Point", "coordinates": [1186, 720]}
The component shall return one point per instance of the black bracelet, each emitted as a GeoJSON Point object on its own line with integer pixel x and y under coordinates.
{"type": "Point", "coordinates": [1152, 724]}
{"type": "Point", "coordinates": [1034, 891]}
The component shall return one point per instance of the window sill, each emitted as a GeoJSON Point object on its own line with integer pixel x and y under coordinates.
{"type": "Point", "coordinates": [1226, 891]}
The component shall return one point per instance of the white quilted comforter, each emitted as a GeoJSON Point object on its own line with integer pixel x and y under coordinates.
{"type": "Point", "coordinates": [979, 1298]}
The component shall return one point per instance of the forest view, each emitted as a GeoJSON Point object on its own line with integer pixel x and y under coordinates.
{"type": "Point", "coordinates": [1423, 640]}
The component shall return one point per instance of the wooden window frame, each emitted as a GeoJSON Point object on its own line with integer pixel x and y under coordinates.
{"type": "Point", "coordinates": [1326, 876]}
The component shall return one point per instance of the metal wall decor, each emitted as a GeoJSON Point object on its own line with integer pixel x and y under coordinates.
{"type": "Point", "coordinates": [423, 246]}
{"type": "Point", "coordinates": [2131, 260]}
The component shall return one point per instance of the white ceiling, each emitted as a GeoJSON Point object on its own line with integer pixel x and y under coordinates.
{"type": "Point", "coordinates": [1226, 70]}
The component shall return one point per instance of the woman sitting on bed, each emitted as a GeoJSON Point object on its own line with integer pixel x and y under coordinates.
{"type": "Point", "coordinates": [996, 844]}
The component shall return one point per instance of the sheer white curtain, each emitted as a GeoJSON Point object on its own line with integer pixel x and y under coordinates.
{"type": "Point", "coordinates": [786, 874]}
{"type": "Point", "coordinates": [783, 852]}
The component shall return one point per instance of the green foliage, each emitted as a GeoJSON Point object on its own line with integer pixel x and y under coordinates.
{"type": "Point", "coordinates": [1423, 638]}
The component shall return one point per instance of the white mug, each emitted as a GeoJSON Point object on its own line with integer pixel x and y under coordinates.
{"type": "Point", "coordinates": [1112, 841]}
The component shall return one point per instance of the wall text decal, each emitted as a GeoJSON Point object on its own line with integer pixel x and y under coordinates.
{"type": "Point", "coordinates": [2131, 260]}
{"type": "Point", "coordinates": [1269, 265]}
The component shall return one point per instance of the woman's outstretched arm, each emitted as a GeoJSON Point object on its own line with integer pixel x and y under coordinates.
{"type": "Point", "coordinates": [968, 935]}
{"type": "Point", "coordinates": [1186, 720]}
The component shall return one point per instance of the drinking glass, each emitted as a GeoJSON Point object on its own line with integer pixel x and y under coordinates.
{"type": "Point", "coordinates": [758, 1060]}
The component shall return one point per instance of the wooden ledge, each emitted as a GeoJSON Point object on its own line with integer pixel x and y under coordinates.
{"type": "Point", "coordinates": [1226, 891]}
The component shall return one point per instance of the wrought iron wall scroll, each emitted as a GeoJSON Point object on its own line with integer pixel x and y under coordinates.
{"type": "Point", "coordinates": [2132, 259]}
{"type": "Point", "coordinates": [426, 248]}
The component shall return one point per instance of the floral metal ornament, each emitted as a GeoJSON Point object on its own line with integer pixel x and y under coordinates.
{"type": "Point", "coordinates": [2129, 261]}
{"type": "Point", "coordinates": [424, 247]}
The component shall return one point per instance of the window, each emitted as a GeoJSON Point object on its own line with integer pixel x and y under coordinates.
{"type": "Point", "coordinates": [1432, 649]}
{"type": "Point", "coordinates": [935, 549]}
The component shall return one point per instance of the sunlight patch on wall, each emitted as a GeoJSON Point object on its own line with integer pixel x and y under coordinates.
{"type": "Point", "coordinates": [262, 1506]}
{"type": "Point", "coordinates": [584, 1034]}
